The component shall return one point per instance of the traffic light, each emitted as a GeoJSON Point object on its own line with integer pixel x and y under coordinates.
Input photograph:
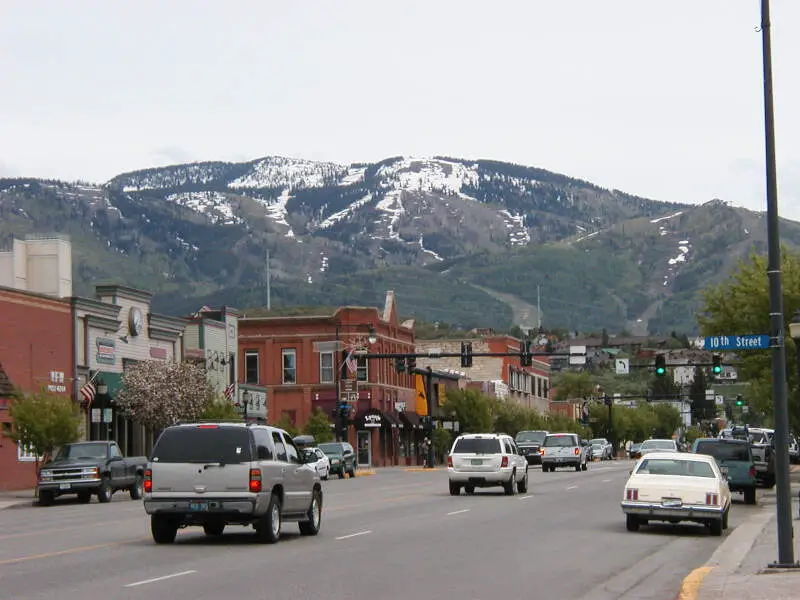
{"type": "Point", "coordinates": [466, 354]}
{"type": "Point", "coordinates": [717, 362]}
{"type": "Point", "coordinates": [411, 362]}
{"type": "Point", "coordinates": [525, 358]}
{"type": "Point", "coordinates": [739, 401]}
{"type": "Point", "coordinates": [661, 365]}
{"type": "Point", "coordinates": [400, 365]}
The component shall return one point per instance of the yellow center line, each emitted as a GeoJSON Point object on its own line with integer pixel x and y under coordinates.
{"type": "Point", "coordinates": [19, 559]}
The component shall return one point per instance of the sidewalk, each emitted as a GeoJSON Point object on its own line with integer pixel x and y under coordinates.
{"type": "Point", "coordinates": [14, 498]}
{"type": "Point", "coordinates": [738, 570]}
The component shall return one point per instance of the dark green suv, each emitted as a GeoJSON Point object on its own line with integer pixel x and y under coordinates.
{"type": "Point", "coordinates": [342, 457]}
{"type": "Point", "coordinates": [737, 457]}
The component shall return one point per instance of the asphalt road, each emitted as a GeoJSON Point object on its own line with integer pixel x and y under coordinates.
{"type": "Point", "coordinates": [395, 535]}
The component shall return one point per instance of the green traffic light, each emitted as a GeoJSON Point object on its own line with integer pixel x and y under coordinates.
{"type": "Point", "coordinates": [717, 369]}
{"type": "Point", "coordinates": [739, 403]}
{"type": "Point", "coordinates": [660, 370]}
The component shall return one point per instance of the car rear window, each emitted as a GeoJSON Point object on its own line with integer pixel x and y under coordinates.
{"type": "Point", "coordinates": [477, 446]}
{"type": "Point", "coordinates": [681, 468]}
{"type": "Point", "coordinates": [724, 451]}
{"type": "Point", "coordinates": [559, 441]}
{"type": "Point", "coordinates": [528, 437]}
{"type": "Point", "coordinates": [334, 448]}
{"type": "Point", "coordinates": [227, 445]}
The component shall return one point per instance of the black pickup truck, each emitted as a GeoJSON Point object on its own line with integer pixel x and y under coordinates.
{"type": "Point", "coordinates": [86, 468]}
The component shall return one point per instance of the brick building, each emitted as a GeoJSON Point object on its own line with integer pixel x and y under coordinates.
{"type": "Point", "coordinates": [502, 375]}
{"type": "Point", "coordinates": [35, 352]}
{"type": "Point", "coordinates": [300, 361]}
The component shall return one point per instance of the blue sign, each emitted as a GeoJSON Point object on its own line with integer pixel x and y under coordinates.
{"type": "Point", "coordinates": [736, 342]}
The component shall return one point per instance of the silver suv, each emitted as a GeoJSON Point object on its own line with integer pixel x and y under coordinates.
{"type": "Point", "coordinates": [217, 474]}
{"type": "Point", "coordinates": [486, 460]}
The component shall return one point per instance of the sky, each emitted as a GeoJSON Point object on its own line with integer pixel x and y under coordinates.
{"type": "Point", "coordinates": [659, 98]}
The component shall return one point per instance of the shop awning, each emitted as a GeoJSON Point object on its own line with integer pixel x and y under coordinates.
{"type": "Point", "coordinates": [112, 380]}
{"type": "Point", "coordinates": [373, 418]}
{"type": "Point", "coordinates": [410, 419]}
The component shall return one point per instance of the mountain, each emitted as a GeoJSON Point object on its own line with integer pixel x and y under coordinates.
{"type": "Point", "coordinates": [460, 241]}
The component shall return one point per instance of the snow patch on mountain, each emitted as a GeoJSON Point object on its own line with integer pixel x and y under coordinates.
{"type": "Point", "coordinates": [276, 210]}
{"type": "Point", "coordinates": [214, 205]}
{"type": "Point", "coordinates": [279, 172]}
{"type": "Point", "coordinates": [428, 175]}
{"type": "Point", "coordinates": [343, 214]}
{"type": "Point", "coordinates": [392, 205]}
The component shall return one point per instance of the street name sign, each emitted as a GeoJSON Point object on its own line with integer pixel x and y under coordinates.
{"type": "Point", "coordinates": [736, 342]}
{"type": "Point", "coordinates": [623, 366]}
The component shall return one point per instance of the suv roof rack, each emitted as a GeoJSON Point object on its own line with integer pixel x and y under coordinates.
{"type": "Point", "coordinates": [220, 421]}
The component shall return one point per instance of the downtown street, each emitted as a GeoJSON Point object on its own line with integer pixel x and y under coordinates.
{"type": "Point", "coordinates": [397, 534]}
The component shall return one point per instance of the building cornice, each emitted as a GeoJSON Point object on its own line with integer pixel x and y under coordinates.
{"type": "Point", "coordinates": [123, 291]}
{"type": "Point", "coordinates": [164, 327]}
{"type": "Point", "coordinates": [95, 307]}
{"type": "Point", "coordinates": [103, 322]}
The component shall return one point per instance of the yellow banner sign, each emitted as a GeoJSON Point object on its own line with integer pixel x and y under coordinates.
{"type": "Point", "coordinates": [422, 398]}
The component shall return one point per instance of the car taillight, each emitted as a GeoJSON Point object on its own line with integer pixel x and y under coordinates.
{"type": "Point", "coordinates": [148, 481]}
{"type": "Point", "coordinates": [450, 461]}
{"type": "Point", "coordinates": [255, 480]}
{"type": "Point", "coordinates": [712, 499]}
{"type": "Point", "coordinates": [753, 471]}
{"type": "Point", "coordinates": [631, 494]}
{"type": "Point", "coordinates": [577, 451]}
{"type": "Point", "coordinates": [541, 451]}
{"type": "Point", "coordinates": [504, 464]}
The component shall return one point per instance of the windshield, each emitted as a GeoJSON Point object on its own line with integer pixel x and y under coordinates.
{"type": "Point", "coordinates": [477, 446]}
{"type": "Point", "coordinates": [203, 444]}
{"type": "Point", "coordinates": [332, 449]}
{"type": "Point", "coordinates": [725, 451]}
{"type": "Point", "coordinates": [681, 468]}
{"type": "Point", "coordinates": [560, 441]}
{"type": "Point", "coordinates": [659, 444]}
{"type": "Point", "coordinates": [531, 436]}
{"type": "Point", "coordinates": [597, 442]}
{"type": "Point", "coordinates": [82, 451]}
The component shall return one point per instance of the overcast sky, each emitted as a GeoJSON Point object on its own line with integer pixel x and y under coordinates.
{"type": "Point", "coordinates": [661, 98]}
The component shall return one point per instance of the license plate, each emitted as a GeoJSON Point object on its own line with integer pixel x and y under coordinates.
{"type": "Point", "coordinates": [64, 486]}
{"type": "Point", "coordinates": [671, 502]}
{"type": "Point", "coordinates": [477, 461]}
{"type": "Point", "coordinates": [198, 506]}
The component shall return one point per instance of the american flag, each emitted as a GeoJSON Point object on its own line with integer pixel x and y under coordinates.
{"type": "Point", "coordinates": [351, 362]}
{"type": "Point", "coordinates": [229, 391]}
{"type": "Point", "coordinates": [88, 392]}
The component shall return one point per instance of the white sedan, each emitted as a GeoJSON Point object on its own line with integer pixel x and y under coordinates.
{"type": "Point", "coordinates": [674, 487]}
{"type": "Point", "coordinates": [319, 460]}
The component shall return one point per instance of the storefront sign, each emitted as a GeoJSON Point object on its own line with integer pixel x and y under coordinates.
{"type": "Point", "coordinates": [56, 382]}
{"type": "Point", "coordinates": [372, 420]}
{"type": "Point", "coordinates": [106, 351]}
{"type": "Point", "coordinates": [159, 353]}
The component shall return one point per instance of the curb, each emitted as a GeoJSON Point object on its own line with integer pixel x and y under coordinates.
{"type": "Point", "coordinates": [421, 469]}
{"type": "Point", "coordinates": [365, 472]}
{"type": "Point", "coordinates": [16, 504]}
{"type": "Point", "coordinates": [729, 555]}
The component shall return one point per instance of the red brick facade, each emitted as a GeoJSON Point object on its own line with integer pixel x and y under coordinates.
{"type": "Point", "coordinates": [36, 351]}
{"type": "Point", "coordinates": [315, 383]}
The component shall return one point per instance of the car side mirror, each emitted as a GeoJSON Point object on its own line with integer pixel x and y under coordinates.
{"type": "Point", "coordinates": [114, 458]}
{"type": "Point", "coordinates": [724, 471]}
{"type": "Point", "coordinates": [263, 453]}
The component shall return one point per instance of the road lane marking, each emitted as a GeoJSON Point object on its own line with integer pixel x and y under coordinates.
{"type": "Point", "coordinates": [525, 497]}
{"type": "Point", "coordinates": [156, 579]}
{"type": "Point", "coordinates": [606, 480]}
{"type": "Point", "coordinates": [692, 582]}
{"type": "Point", "coordinates": [19, 559]}
{"type": "Point", "coordinates": [572, 487]}
{"type": "Point", "coordinates": [603, 469]}
{"type": "Point", "coordinates": [458, 512]}
{"type": "Point", "coordinates": [352, 535]}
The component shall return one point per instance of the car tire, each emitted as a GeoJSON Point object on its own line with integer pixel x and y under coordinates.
{"type": "Point", "coordinates": [341, 474]}
{"type": "Point", "coordinates": [314, 514]}
{"type": "Point", "coordinates": [469, 489]}
{"type": "Point", "coordinates": [84, 497]}
{"type": "Point", "coordinates": [268, 528]}
{"type": "Point", "coordinates": [510, 487]}
{"type": "Point", "coordinates": [578, 466]}
{"type": "Point", "coordinates": [750, 495]}
{"type": "Point", "coordinates": [631, 523]}
{"type": "Point", "coordinates": [214, 529]}
{"type": "Point", "coordinates": [137, 489]}
{"type": "Point", "coordinates": [46, 498]}
{"type": "Point", "coordinates": [584, 467]}
{"type": "Point", "coordinates": [163, 529]}
{"type": "Point", "coordinates": [725, 518]}
{"type": "Point", "coordinates": [522, 486]}
{"type": "Point", "coordinates": [455, 489]}
{"type": "Point", "coordinates": [105, 492]}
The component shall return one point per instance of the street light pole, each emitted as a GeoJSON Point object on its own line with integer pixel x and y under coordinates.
{"type": "Point", "coordinates": [779, 387]}
{"type": "Point", "coordinates": [245, 402]}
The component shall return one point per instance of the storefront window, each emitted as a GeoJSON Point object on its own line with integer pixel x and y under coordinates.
{"type": "Point", "coordinates": [251, 366]}
{"type": "Point", "coordinates": [326, 367]}
{"type": "Point", "coordinates": [289, 366]}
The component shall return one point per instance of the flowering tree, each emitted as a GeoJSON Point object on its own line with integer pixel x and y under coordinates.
{"type": "Point", "coordinates": [158, 394]}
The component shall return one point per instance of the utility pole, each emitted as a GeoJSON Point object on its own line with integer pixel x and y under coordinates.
{"type": "Point", "coordinates": [269, 282]}
{"type": "Point", "coordinates": [538, 307]}
{"type": "Point", "coordinates": [779, 387]}
{"type": "Point", "coordinates": [429, 426]}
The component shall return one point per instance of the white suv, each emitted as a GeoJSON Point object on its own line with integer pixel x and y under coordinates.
{"type": "Point", "coordinates": [486, 460]}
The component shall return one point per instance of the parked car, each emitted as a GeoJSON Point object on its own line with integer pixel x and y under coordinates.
{"type": "Point", "coordinates": [318, 460]}
{"type": "Point", "coordinates": [563, 450]}
{"type": "Point", "coordinates": [762, 447]}
{"type": "Point", "coordinates": [633, 451]}
{"type": "Point", "coordinates": [653, 445]}
{"type": "Point", "coordinates": [675, 487]}
{"type": "Point", "coordinates": [87, 468]}
{"type": "Point", "coordinates": [218, 474]}
{"type": "Point", "coordinates": [486, 460]}
{"type": "Point", "coordinates": [529, 443]}
{"type": "Point", "coordinates": [601, 448]}
{"type": "Point", "coordinates": [342, 457]}
{"type": "Point", "coordinates": [589, 449]}
{"type": "Point", "coordinates": [737, 457]}
{"type": "Point", "coordinates": [794, 450]}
